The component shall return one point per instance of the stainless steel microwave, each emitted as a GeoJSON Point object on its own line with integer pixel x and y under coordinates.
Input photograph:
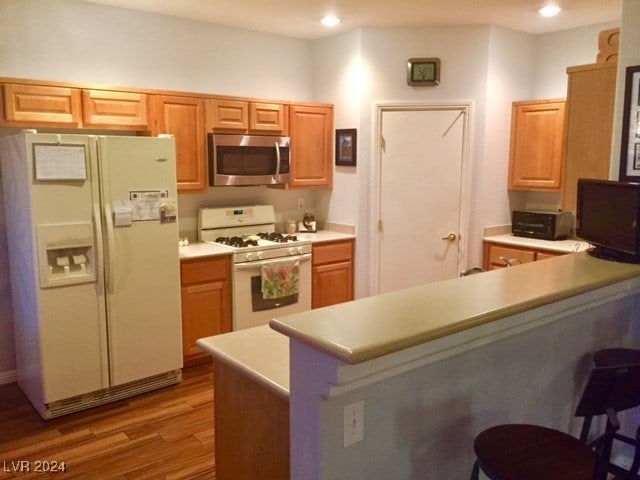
{"type": "Point", "coordinates": [248, 159]}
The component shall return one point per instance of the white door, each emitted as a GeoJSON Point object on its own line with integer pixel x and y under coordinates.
{"type": "Point", "coordinates": [420, 188]}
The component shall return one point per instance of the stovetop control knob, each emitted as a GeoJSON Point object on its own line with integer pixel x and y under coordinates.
{"type": "Point", "coordinates": [260, 255]}
{"type": "Point", "coordinates": [251, 256]}
{"type": "Point", "coordinates": [295, 250]}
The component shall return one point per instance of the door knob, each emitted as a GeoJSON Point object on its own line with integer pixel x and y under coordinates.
{"type": "Point", "coordinates": [451, 237]}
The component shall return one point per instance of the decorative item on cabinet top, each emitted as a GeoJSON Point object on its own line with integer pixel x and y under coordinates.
{"type": "Point", "coordinates": [346, 147]}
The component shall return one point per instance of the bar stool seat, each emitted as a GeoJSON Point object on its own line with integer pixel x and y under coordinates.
{"type": "Point", "coordinates": [516, 451]}
{"type": "Point", "coordinates": [613, 357]}
{"type": "Point", "coordinates": [532, 452]}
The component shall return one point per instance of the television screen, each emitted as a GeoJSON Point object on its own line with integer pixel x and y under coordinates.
{"type": "Point", "coordinates": [607, 217]}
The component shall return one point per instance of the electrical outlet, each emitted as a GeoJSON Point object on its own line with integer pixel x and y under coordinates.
{"type": "Point", "coordinates": [353, 423]}
{"type": "Point", "coordinates": [301, 203]}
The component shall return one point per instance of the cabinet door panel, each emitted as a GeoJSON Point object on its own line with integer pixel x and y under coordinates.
{"type": "Point", "coordinates": [332, 283]}
{"type": "Point", "coordinates": [590, 106]}
{"type": "Point", "coordinates": [311, 146]}
{"type": "Point", "coordinates": [35, 105]}
{"type": "Point", "coordinates": [228, 115]}
{"type": "Point", "coordinates": [268, 117]}
{"type": "Point", "coordinates": [183, 117]}
{"type": "Point", "coordinates": [537, 138]}
{"type": "Point", "coordinates": [204, 313]}
{"type": "Point", "coordinates": [112, 109]}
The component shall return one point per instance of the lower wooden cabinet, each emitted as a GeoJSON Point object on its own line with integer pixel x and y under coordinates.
{"type": "Point", "coordinates": [206, 302]}
{"type": "Point", "coordinates": [332, 273]}
{"type": "Point", "coordinates": [500, 256]}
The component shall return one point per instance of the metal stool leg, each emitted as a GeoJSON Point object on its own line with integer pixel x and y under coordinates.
{"type": "Point", "coordinates": [475, 473]}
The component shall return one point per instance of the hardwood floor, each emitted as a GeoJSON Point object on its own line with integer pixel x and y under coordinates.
{"type": "Point", "coordinates": [165, 434]}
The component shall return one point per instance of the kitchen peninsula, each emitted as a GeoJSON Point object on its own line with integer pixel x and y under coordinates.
{"type": "Point", "coordinates": [433, 365]}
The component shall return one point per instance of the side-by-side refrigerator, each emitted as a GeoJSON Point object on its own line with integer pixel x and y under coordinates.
{"type": "Point", "coordinates": [93, 251]}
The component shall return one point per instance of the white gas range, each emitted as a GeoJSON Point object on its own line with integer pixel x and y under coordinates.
{"type": "Point", "coordinates": [271, 274]}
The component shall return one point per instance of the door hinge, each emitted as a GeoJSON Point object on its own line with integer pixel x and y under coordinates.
{"type": "Point", "coordinates": [379, 225]}
{"type": "Point", "coordinates": [383, 144]}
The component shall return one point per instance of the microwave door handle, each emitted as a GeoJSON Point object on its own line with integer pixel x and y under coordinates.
{"type": "Point", "coordinates": [276, 178]}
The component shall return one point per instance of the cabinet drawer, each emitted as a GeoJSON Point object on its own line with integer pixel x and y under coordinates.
{"type": "Point", "coordinates": [497, 253]}
{"type": "Point", "coordinates": [203, 270]}
{"type": "Point", "coordinates": [332, 252]}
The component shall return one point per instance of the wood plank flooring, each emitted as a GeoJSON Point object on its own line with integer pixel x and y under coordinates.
{"type": "Point", "coordinates": [165, 434]}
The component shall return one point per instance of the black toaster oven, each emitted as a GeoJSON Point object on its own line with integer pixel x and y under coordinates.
{"type": "Point", "coordinates": [542, 225]}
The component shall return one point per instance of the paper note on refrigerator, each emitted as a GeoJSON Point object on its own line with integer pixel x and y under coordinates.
{"type": "Point", "coordinates": [59, 162]}
{"type": "Point", "coordinates": [146, 204]}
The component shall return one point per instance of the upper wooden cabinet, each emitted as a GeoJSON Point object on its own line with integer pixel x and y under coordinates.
{"type": "Point", "coordinates": [227, 115]}
{"type": "Point", "coordinates": [183, 117]}
{"type": "Point", "coordinates": [188, 117]}
{"type": "Point", "coordinates": [236, 116]}
{"type": "Point", "coordinates": [311, 130]}
{"type": "Point", "coordinates": [115, 109]}
{"type": "Point", "coordinates": [537, 138]}
{"type": "Point", "coordinates": [49, 105]}
{"type": "Point", "coordinates": [590, 104]}
{"type": "Point", "coordinates": [33, 105]}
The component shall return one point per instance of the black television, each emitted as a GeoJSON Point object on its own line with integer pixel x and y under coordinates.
{"type": "Point", "coordinates": [607, 217]}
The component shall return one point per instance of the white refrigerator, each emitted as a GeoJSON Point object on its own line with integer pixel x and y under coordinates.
{"type": "Point", "coordinates": [93, 251]}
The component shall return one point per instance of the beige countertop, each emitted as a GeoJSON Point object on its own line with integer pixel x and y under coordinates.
{"type": "Point", "coordinates": [260, 352]}
{"type": "Point", "coordinates": [201, 249]}
{"type": "Point", "coordinates": [324, 236]}
{"type": "Point", "coordinates": [552, 245]}
{"type": "Point", "coordinates": [371, 327]}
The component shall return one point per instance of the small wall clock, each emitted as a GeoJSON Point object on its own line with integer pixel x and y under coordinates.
{"type": "Point", "coordinates": [423, 71]}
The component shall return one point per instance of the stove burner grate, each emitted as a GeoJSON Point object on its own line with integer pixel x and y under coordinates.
{"type": "Point", "coordinates": [237, 242]}
{"type": "Point", "coordinates": [278, 237]}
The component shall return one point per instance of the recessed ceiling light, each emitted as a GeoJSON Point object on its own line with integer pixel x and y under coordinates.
{"type": "Point", "coordinates": [330, 21]}
{"type": "Point", "coordinates": [550, 10]}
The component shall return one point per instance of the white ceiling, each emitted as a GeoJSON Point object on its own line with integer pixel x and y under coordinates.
{"type": "Point", "coordinates": [301, 18]}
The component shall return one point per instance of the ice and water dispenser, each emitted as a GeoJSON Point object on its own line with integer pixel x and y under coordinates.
{"type": "Point", "coordinates": [66, 254]}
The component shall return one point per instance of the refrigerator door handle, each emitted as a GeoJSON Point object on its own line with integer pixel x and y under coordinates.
{"type": "Point", "coordinates": [108, 220]}
{"type": "Point", "coordinates": [97, 221]}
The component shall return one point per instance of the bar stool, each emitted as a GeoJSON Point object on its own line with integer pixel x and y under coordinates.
{"type": "Point", "coordinates": [531, 452]}
{"type": "Point", "coordinates": [611, 357]}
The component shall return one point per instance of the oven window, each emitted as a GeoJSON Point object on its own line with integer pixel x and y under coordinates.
{"type": "Point", "coordinates": [259, 304]}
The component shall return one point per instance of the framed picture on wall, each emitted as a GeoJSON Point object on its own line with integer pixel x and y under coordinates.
{"type": "Point", "coordinates": [630, 144]}
{"type": "Point", "coordinates": [346, 147]}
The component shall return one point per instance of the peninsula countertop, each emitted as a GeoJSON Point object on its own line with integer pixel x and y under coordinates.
{"type": "Point", "coordinates": [371, 327]}
{"type": "Point", "coordinates": [260, 353]}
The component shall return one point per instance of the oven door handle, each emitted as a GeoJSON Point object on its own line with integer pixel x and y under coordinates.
{"type": "Point", "coordinates": [260, 263]}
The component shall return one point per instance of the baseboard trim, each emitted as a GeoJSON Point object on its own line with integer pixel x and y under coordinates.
{"type": "Point", "coordinates": [7, 377]}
